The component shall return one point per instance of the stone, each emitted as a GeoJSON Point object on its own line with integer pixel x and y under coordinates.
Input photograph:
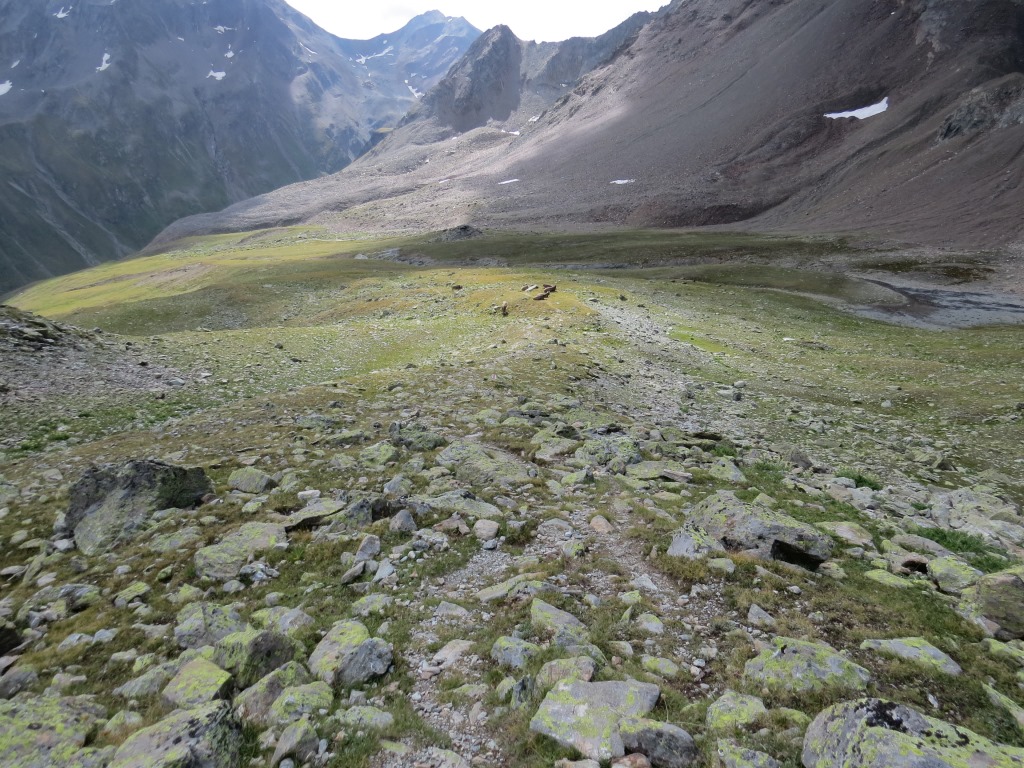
{"type": "Point", "coordinates": [298, 701]}
{"type": "Point", "coordinates": [251, 654]}
{"type": "Point", "coordinates": [693, 543]}
{"type": "Point", "coordinates": [480, 467]}
{"type": "Point", "coordinates": [314, 514]}
{"type": "Point", "coordinates": [952, 575]}
{"type": "Point", "coordinates": [462, 503]}
{"type": "Point", "coordinates": [149, 683]}
{"type": "Point", "coordinates": [873, 733]}
{"type": "Point", "coordinates": [175, 541]}
{"type": "Point", "coordinates": [513, 653]}
{"type": "Point", "coordinates": [110, 505]}
{"type": "Point", "coordinates": [759, 617]}
{"type": "Point", "coordinates": [17, 679]}
{"type": "Point", "coordinates": [733, 712]}
{"type": "Point", "coordinates": [224, 560]}
{"type": "Point", "coordinates": [650, 624]}
{"type": "Point", "coordinates": [288, 621]}
{"type": "Point", "coordinates": [451, 653]}
{"type": "Point", "coordinates": [46, 731]}
{"type": "Point", "coordinates": [378, 455]}
{"type": "Point", "coordinates": [725, 470]}
{"type": "Point", "coordinates": [348, 656]}
{"type": "Point", "coordinates": [299, 740]}
{"type": "Point", "coordinates": [565, 627]}
{"type": "Point", "coordinates": [659, 666]}
{"type": "Point", "coordinates": [372, 605]}
{"type": "Point", "coordinates": [200, 624]}
{"type": "Point", "coordinates": [198, 682]}
{"type": "Point", "coordinates": [368, 718]}
{"type": "Point", "coordinates": [122, 725]}
{"type": "Point", "coordinates": [798, 666]}
{"type": "Point", "coordinates": [587, 716]}
{"type": "Point", "coordinates": [729, 754]}
{"type": "Point", "coordinates": [134, 591]}
{"type": "Point", "coordinates": [402, 522]}
{"type": "Point", "coordinates": [579, 668]}
{"type": "Point", "coordinates": [887, 579]}
{"type": "Point", "coordinates": [917, 650]}
{"type": "Point", "coordinates": [762, 531]}
{"type": "Point", "coordinates": [253, 705]}
{"type": "Point", "coordinates": [600, 524]}
{"type": "Point", "coordinates": [603, 451]}
{"type": "Point", "coordinates": [850, 533]}
{"type": "Point", "coordinates": [369, 548]}
{"type": "Point", "coordinates": [415, 437]}
{"type": "Point", "coordinates": [1008, 705]}
{"type": "Point", "coordinates": [996, 603]}
{"type": "Point", "coordinates": [204, 736]}
{"type": "Point", "coordinates": [251, 480]}
{"type": "Point", "coordinates": [485, 530]}
{"type": "Point", "coordinates": [665, 745]}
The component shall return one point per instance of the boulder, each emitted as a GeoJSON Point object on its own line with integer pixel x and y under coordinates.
{"type": "Point", "coordinates": [734, 711]}
{"type": "Point", "coordinates": [798, 666]}
{"type": "Point", "coordinates": [665, 745]}
{"type": "Point", "coordinates": [759, 530]}
{"type": "Point", "coordinates": [513, 653]}
{"type": "Point", "coordinates": [250, 654]}
{"type": "Point", "coordinates": [300, 701]}
{"type": "Point", "coordinates": [111, 504]}
{"type": "Point", "coordinates": [587, 716]}
{"type": "Point", "coordinates": [849, 533]}
{"type": "Point", "coordinates": [415, 437]}
{"type": "Point", "coordinates": [198, 682]}
{"type": "Point", "coordinates": [288, 621]}
{"type": "Point", "coordinates": [477, 466]}
{"type": "Point", "coordinates": [369, 718]}
{"type": "Point", "coordinates": [251, 480]}
{"type": "Point", "coordinates": [462, 503]}
{"type": "Point", "coordinates": [605, 450]}
{"type": "Point", "coordinates": [917, 650]}
{"type": "Point", "coordinates": [223, 561]}
{"type": "Point", "coordinates": [996, 603]}
{"type": "Point", "coordinates": [974, 511]}
{"type": "Point", "coordinates": [348, 656]}
{"type": "Point", "coordinates": [952, 575]}
{"type": "Point", "coordinates": [46, 731]}
{"type": "Point", "coordinates": [62, 601]}
{"type": "Point", "coordinates": [729, 754]}
{"type": "Point", "coordinates": [693, 543]}
{"type": "Point", "coordinates": [200, 624]}
{"type": "Point", "coordinates": [872, 733]}
{"type": "Point", "coordinates": [299, 740]}
{"type": "Point", "coordinates": [565, 627]}
{"type": "Point", "coordinates": [254, 703]}
{"type": "Point", "coordinates": [204, 737]}
{"type": "Point", "coordinates": [578, 668]}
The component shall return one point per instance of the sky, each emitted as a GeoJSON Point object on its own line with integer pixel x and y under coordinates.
{"type": "Point", "coordinates": [529, 19]}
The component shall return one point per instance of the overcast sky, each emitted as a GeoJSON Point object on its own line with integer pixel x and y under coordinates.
{"type": "Point", "coordinates": [529, 19]}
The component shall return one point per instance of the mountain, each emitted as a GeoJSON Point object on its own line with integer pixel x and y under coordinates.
{"type": "Point", "coordinates": [117, 118]}
{"type": "Point", "coordinates": [711, 113]}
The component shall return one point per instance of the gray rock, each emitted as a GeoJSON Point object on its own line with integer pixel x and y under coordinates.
{"type": "Point", "coordinates": [871, 733]}
{"type": "Point", "coordinates": [299, 740]}
{"type": "Point", "coordinates": [254, 703]}
{"type": "Point", "coordinates": [251, 480]}
{"type": "Point", "coordinates": [513, 652]}
{"type": "Point", "coordinates": [759, 617]}
{"type": "Point", "coordinates": [289, 621]}
{"type": "Point", "coordinates": [403, 522]}
{"type": "Point", "coordinates": [692, 543]}
{"type": "Point", "coordinates": [198, 682]}
{"type": "Point", "coordinates": [917, 650]}
{"type": "Point", "coordinates": [952, 575]}
{"type": "Point", "coordinates": [797, 666]}
{"type": "Point", "coordinates": [732, 755]}
{"type": "Point", "coordinates": [348, 656]}
{"type": "Point", "coordinates": [733, 711]}
{"type": "Point", "coordinates": [485, 530]}
{"type": "Point", "coordinates": [665, 745]}
{"type": "Point", "coordinates": [369, 718]}
{"type": "Point", "coordinates": [369, 548]}
{"type": "Point", "coordinates": [47, 731]}
{"type": "Point", "coordinates": [205, 737]}
{"type": "Point", "coordinates": [200, 624]}
{"type": "Point", "coordinates": [251, 654]}
{"type": "Point", "coordinates": [481, 467]}
{"type": "Point", "coordinates": [223, 561]}
{"type": "Point", "coordinates": [111, 504]}
{"type": "Point", "coordinates": [16, 680]}
{"type": "Point", "coordinates": [760, 530]}
{"type": "Point", "coordinates": [996, 603]}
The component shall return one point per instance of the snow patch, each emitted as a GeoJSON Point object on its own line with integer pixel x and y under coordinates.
{"type": "Point", "coordinates": [623, 181]}
{"type": "Point", "coordinates": [308, 49]}
{"type": "Point", "coordinates": [416, 94]}
{"type": "Point", "coordinates": [5, 87]}
{"type": "Point", "coordinates": [15, 64]}
{"type": "Point", "coordinates": [863, 112]}
{"type": "Point", "coordinates": [230, 54]}
{"type": "Point", "coordinates": [510, 181]}
{"type": "Point", "coordinates": [62, 13]}
{"type": "Point", "coordinates": [182, 39]}
{"type": "Point", "coordinates": [386, 52]}
{"type": "Point", "coordinates": [512, 133]}
{"type": "Point", "coordinates": [218, 76]}
{"type": "Point", "coordinates": [535, 118]}
{"type": "Point", "coordinates": [105, 65]}
{"type": "Point", "coordinates": [220, 29]}
{"type": "Point", "coordinates": [444, 181]}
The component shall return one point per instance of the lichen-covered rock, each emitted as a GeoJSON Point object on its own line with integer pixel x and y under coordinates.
{"type": "Point", "coordinates": [917, 650]}
{"type": "Point", "coordinates": [587, 716]}
{"type": "Point", "coordinates": [378, 455]}
{"type": "Point", "coordinates": [513, 653]}
{"type": "Point", "coordinates": [44, 731]}
{"type": "Point", "coordinates": [996, 603]}
{"type": "Point", "coordinates": [734, 711]}
{"type": "Point", "coordinates": [729, 754]}
{"type": "Point", "coordinates": [149, 683]}
{"type": "Point", "coordinates": [887, 579]}
{"type": "Point", "coordinates": [369, 718]}
{"type": "Point", "coordinates": [565, 627]}
{"type": "Point", "coordinates": [198, 682]}
{"type": "Point", "coordinates": [577, 668]}
{"type": "Point", "coordinates": [111, 504]}
{"type": "Point", "coordinates": [462, 503]}
{"type": "Point", "coordinates": [480, 467]}
{"type": "Point", "coordinates": [205, 737]}
{"type": "Point", "coordinates": [299, 740]}
{"type": "Point", "coordinates": [605, 450]}
{"type": "Point", "coordinates": [223, 561]}
{"type": "Point", "coordinates": [659, 666]}
{"type": "Point", "coordinates": [251, 654]}
{"type": "Point", "coordinates": [175, 541]}
{"type": "Point", "coordinates": [693, 543]}
{"type": "Point", "coordinates": [200, 624]}
{"type": "Point", "coordinates": [952, 575]}
{"type": "Point", "coordinates": [254, 704]}
{"type": "Point", "coordinates": [347, 655]}
{"type": "Point", "coordinates": [871, 733]}
{"type": "Point", "coordinates": [301, 700]}
{"type": "Point", "coordinates": [415, 437]}
{"type": "Point", "coordinates": [974, 511]}
{"type": "Point", "coordinates": [759, 530]}
{"type": "Point", "coordinates": [251, 480]}
{"type": "Point", "coordinates": [288, 621]}
{"type": "Point", "coordinates": [665, 745]}
{"type": "Point", "coordinates": [798, 666]}
{"type": "Point", "coordinates": [61, 601]}
{"type": "Point", "coordinates": [851, 533]}
{"type": "Point", "coordinates": [134, 591]}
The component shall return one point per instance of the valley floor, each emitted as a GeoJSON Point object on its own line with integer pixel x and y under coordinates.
{"type": "Point", "coordinates": [468, 508]}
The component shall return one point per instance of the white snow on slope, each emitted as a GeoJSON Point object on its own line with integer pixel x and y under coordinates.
{"type": "Point", "coordinates": [415, 93]}
{"type": "Point", "coordinates": [62, 13]}
{"type": "Point", "coordinates": [309, 50]}
{"type": "Point", "coordinates": [105, 65]}
{"type": "Point", "coordinates": [230, 54]}
{"type": "Point", "coordinates": [5, 87]}
{"type": "Point", "coordinates": [385, 52]}
{"type": "Point", "coordinates": [221, 29]}
{"type": "Point", "coordinates": [15, 64]}
{"type": "Point", "coordinates": [218, 76]}
{"type": "Point", "coordinates": [624, 181]}
{"type": "Point", "coordinates": [863, 112]}
{"type": "Point", "coordinates": [510, 181]}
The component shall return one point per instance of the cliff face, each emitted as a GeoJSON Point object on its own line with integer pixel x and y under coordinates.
{"type": "Point", "coordinates": [118, 118]}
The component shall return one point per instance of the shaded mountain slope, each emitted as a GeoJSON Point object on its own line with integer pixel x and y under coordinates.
{"type": "Point", "coordinates": [714, 113]}
{"type": "Point", "coordinates": [118, 118]}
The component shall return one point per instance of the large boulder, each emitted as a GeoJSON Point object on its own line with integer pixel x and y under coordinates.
{"type": "Point", "coordinates": [254, 704]}
{"type": "Point", "coordinates": [251, 654]}
{"type": "Point", "coordinates": [462, 503]}
{"type": "Point", "coordinates": [587, 716]}
{"type": "Point", "coordinates": [40, 732]}
{"type": "Point", "coordinates": [202, 624]}
{"type": "Point", "coordinates": [759, 530]}
{"type": "Point", "coordinates": [665, 745]}
{"type": "Point", "coordinates": [871, 733]}
{"type": "Point", "coordinates": [110, 504]}
{"type": "Point", "coordinates": [996, 603]}
{"type": "Point", "coordinates": [223, 561]}
{"type": "Point", "coordinates": [977, 512]}
{"type": "Point", "coordinates": [479, 467]}
{"type": "Point", "coordinates": [198, 682]}
{"type": "Point", "coordinates": [798, 666]}
{"type": "Point", "coordinates": [204, 737]}
{"type": "Point", "coordinates": [348, 656]}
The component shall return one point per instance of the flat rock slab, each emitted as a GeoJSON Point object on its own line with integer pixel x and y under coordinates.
{"type": "Point", "coordinates": [223, 561]}
{"type": "Point", "coordinates": [917, 650]}
{"type": "Point", "coordinates": [198, 682]}
{"type": "Point", "coordinates": [205, 736]}
{"type": "Point", "coordinates": [200, 624]}
{"type": "Point", "coordinates": [872, 733]}
{"type": "Point", "coordinates": [40, 732]}
{"type": "Point", "coordinates": [996, 603]}
{"type": "Point", "coordinates": [480, 467]}
{"type": "Point", "coordinates": [797, 666]}
{"type": "Point", "coordinates": [587, 716]}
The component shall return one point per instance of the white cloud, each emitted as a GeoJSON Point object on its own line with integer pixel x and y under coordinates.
{"type": "Point", "coordinates": [529, 19]}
